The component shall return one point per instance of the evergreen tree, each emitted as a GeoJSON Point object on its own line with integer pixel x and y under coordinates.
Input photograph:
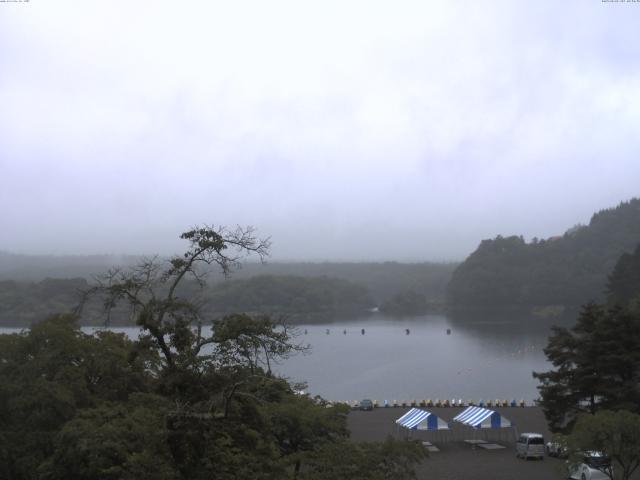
{"type": "Point", "coordinates": [624, 282]}
{"type": "Point", "coordinates": [597, 366]}
{"type": "Point", "coordinates": [568, 270]}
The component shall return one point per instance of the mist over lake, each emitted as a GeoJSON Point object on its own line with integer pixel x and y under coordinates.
{"type": "Point", "coordinates": [485, 359]}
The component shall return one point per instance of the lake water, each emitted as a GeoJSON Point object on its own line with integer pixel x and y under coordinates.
{"type": "Point", "coordinates": [484, 359]}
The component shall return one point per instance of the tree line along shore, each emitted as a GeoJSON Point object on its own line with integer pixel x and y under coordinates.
{"type": "Point", "coordinates": [182, 402]}
{"type": "Point", "coordinates": [543, 277]}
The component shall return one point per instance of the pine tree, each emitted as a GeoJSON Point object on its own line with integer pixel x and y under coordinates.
{"type": "Point", "coordinates": [596, 366]}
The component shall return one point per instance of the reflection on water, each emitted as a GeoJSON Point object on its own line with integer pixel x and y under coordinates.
{"type": "Point", "coordinates": [414, 358]}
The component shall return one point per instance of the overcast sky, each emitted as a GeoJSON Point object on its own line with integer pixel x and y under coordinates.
{"type": "Point", "coordinates": [343, 130]}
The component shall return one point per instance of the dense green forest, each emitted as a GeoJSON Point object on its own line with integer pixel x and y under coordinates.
{"type": "Point", "coordinates": [623, 288]}
{"type": "Point", "coordinates": [104, 407]}
{"type": "Point", "coordinates": [382, 279]}
{"type": "Point", "coordinates": [298, 298]}
{"type": "Point", "coordinates": [302, 291]}
{"type": "Point", "coordinates": [590, 395]}
{"type": "Point", "coordinates": [322, 297]}
{"type": "Point", "coordinates": [543, 274]}
{"type": "Point", "coordinates": [22, 304]}
{"type": "Point", "coordinates": [569, 270]}
{"type": "Point", "coordinates": [410, 302]}
{"type": "Point", "coordinates": [183, 401]}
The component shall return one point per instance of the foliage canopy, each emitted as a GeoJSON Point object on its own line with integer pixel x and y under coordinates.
{"type": "Point", "coordinates": [613, 434]}
{"type": "Point", "coordinates": [596, 366]}
{"type": "Point", "coordinates": [568, 270]}
{"type": "Point", "coordinates": [188, 399]}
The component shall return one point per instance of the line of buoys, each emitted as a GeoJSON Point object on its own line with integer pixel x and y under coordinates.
{"type": "Point", "coordinates": [446, 403]}
{"type": "Point", "coordinates": [406, 331]}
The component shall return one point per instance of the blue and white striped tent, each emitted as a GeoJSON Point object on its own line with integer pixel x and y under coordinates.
{"type": "Point", "coordinates": [417, 419]}
{"type": "Point", "coordinates": [479, 417]}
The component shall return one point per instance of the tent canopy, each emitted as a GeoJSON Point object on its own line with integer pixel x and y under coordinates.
{"type": "Point", "coordinates": [479, 417]}
{"type": "Point", "coordinates": [417, 419]}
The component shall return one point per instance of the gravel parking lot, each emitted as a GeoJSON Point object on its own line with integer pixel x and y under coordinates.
{"type": "Point", "coordinates": [458, 460]}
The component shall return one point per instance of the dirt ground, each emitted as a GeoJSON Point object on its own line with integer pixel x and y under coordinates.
{"type": "Point", "coordinates": [458, 460]}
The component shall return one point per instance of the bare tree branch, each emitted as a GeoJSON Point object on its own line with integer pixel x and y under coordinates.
{"type": "Point", "coordinates": [150, 289]}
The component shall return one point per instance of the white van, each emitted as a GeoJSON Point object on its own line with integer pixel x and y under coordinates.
{"type": "Point", "coordinates": [530, 445]}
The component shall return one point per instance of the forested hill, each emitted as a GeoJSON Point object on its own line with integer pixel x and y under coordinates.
{"type": "Point", "coordinates": [34, 268]}
{"type": "Point", "coordinates": [309, 297]}
{"type": "Point", "coordinates": [567, 270]}
{"type": "Point", "coordinates": [383, 280]}
{"type": "Point", "coordinates": [304, 290]}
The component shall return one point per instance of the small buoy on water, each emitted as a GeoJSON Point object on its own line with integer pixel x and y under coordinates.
{"type": "Point", "coordinates": [305, 331]}
{"type": "Point", "coordinates": [345, 331]}
{"type": "Point", "coordinates": [407, 331]}
{"type": "Point", "coordinates": [327, 331]}
{"type": "Point", "coordinates": [448, 331]}
{"type": "Point", "coordinates": [362, 331]}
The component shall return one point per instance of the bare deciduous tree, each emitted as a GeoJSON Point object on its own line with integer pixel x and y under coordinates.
{"type": "Point", "coordinates": [150, 289]}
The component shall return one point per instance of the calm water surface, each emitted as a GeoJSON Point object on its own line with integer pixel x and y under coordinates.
{"type": "Point", "coordinates": [485, 359]}
{"type": "Point", "coordinates": [482, 360]}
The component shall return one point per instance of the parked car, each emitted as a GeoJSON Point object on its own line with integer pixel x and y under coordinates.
{"type": "Point", "coordinates": [530, 445]}
{"type": "Point", "coordinates": [366, 404]}
{"type": "Point", "coordinates": [592, 466]}
{"type": "Point", "coordinates": [555, 449]}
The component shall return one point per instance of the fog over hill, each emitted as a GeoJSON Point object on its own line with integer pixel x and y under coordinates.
{"type": "Point", "coordinates": [571, 269]}
{"type": "Point", "coordinates": [345, 132]}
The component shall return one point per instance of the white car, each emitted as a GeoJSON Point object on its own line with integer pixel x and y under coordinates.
{"type": "Point", "coordinates": [594, 466]}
